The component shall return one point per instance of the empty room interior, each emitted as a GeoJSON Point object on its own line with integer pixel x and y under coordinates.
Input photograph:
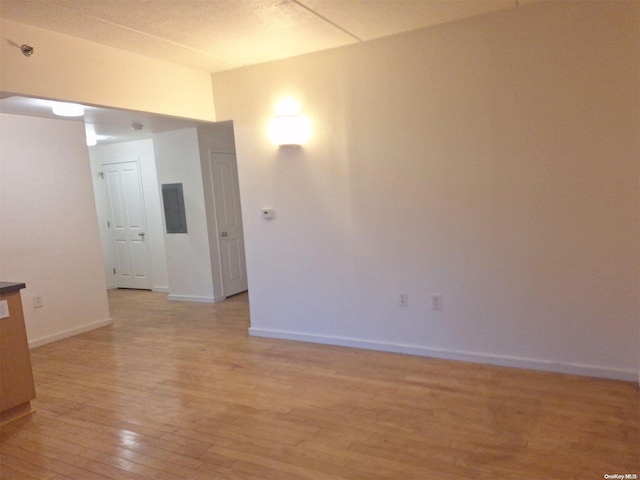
{"type": "Point", "coordinates": [319, 239]}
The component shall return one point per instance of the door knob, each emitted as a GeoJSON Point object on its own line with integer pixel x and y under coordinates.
{"type": "Point", "coordinates": [141, 234]}
{"type": "Point", "coordinates": [224, 234]}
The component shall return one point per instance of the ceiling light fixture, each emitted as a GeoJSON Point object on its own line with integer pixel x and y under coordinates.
{"type": "Point", "coordinates": [67, 109]}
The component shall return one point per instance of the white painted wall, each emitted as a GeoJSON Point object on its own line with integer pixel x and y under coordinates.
{"type": "Point", "coordinates": [188, 256]}
{"type": "Point", "coordinates": [48, 228]}
{"type": "Point", "coordinates": [142, 152]}
{"type": "Point", "coordinates": [68, 68]}
{"type": "Point", "coordinates": [493, 161]}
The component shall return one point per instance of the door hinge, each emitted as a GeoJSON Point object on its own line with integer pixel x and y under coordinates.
{"type": "Point", "coordinates": [108, 224]}
{"type": "Point", "coordinates": [114, 270]}
{"type": "Point", "coordinates": [101, 175]}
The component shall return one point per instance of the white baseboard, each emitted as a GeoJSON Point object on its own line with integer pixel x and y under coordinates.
{"type": "Point", "coordinates": [70, 333]}
{"type": "Point", "coordinates": [499, 360]}
{"type": "Point", "coordinates": [189, 298]}
{"type": "Point", "coordinates": [160, 289]}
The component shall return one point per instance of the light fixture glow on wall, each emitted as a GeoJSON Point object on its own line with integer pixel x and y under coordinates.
{"type": "Point", "coordinates": [92, 137]}
{"type": "Point", "coordinates": [67, 109]}
{"type": "Point", "coordinates": [288, 128]}
{"type": "Point", "coordinates": [90, 133]}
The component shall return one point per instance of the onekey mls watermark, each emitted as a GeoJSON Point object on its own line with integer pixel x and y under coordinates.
{"type": "Point", "coordinates": [621, 476]}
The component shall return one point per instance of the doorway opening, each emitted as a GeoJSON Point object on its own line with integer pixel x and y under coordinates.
{"type": "Point", "coordinates": [138, 251]}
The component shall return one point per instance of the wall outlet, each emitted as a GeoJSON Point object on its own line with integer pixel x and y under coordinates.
{"type": "Point", "coordinates": [436, 302]}
{"type": "Point", "coordinates": [37, 301]}
{"type": "Point", "coordinates": [4, 309]}
{"type": "Point", "coordinates": [403, 300]}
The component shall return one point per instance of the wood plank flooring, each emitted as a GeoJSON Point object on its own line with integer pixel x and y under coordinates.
{"type": "Point", "coordinates": [179, 391]}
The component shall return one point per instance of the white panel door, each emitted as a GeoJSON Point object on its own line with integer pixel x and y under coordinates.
{"type": "Point", "coordinates": [226, 196]}
{"type": "Point", "coordinates": [127, 224]}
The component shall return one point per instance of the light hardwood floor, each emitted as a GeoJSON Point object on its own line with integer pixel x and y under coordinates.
{"type": "Point", "coordinates": [179, 391]}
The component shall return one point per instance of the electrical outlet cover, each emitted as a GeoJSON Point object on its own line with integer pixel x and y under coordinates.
{"type": "Point", "coordinates": [37, 301]}
{"type": "Point", "coordinates": [403, 300]}
{"type": "Point", "coordinates": [4, 309]}
{"type": "Point", "coordinates": [436, 302]}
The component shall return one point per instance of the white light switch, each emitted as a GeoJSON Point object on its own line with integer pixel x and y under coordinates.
{"type": "Point", "coordinates": [267, 213]}
{"type": "Point", "coordinates": [4, 309]}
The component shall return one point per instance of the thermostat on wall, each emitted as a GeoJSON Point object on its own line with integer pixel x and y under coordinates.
{"type": "Point", "coordinates": [267, 213]}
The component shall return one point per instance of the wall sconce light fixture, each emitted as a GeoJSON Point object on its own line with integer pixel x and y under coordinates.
{"type": "Point", "coordinates": [67, 109]}
{"type": "Point", "coordinates": [288, 128]}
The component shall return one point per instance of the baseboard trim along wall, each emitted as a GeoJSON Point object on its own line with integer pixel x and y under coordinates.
{"type": "Point", "coordinates": [498, 360]}
{"type": "Point", "coordinates": [189, 298]}
{"type": "Point", "coordinates": [70, 333]}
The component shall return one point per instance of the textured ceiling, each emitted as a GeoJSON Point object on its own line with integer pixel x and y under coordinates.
{"type": "Point", "coordinates": [216, 35]}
